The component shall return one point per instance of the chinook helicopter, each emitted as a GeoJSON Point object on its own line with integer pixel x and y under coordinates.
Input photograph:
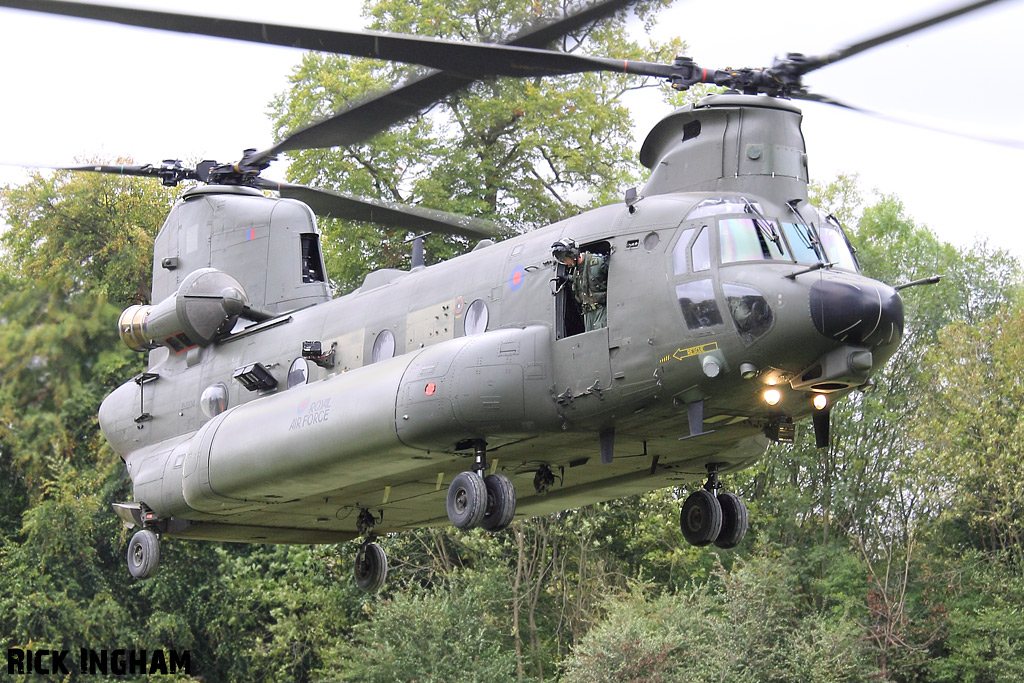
{"type": "Point", "coordinates": [471, 392]}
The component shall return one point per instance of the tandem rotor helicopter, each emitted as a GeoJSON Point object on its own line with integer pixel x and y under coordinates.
{"type": "Point", "coordinates": [476, 390]}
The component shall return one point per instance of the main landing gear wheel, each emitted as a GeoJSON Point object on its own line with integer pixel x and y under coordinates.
{"type": "Point", "coordinates": [371, 568]}
{"type": "Point", "coordinates": [501, 502]}
{"type": "Point", "coordinates": [143, 554]}
{"type": "Point", "coordinates": [467, 500]}
{"type": "Point", "coordinates": [701, 518]}
{"type": "Point", "coordinates": [734, 520]}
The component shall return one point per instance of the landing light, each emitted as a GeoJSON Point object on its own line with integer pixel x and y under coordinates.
{"type": "Point", "coordinates": [820, 401]}
{"type": "Point", "coordinates": [772, 397]}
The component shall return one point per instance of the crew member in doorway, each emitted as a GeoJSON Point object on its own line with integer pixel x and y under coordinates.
{"type": "Point", "coordinates": [588, 274]}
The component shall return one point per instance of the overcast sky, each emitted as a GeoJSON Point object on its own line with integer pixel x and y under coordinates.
{"type": "Point", "coordinates": [73, 88]}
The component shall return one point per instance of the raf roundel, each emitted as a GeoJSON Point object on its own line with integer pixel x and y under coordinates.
{"type": "Point", "coordinates": [515, 280]}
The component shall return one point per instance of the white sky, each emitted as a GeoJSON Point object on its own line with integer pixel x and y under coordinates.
{"type": "Point", "coordinates": [72, 88]}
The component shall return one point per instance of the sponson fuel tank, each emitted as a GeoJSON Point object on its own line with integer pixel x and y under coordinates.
{"type": "Point", "coordinates": [357, 424]}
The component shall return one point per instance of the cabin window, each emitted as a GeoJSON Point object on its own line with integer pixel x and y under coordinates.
{"type": "Point", "coordinates": [383, 346]}
{"type": "Point", "coordinates": [475, 321]}
{"type": "Point", "coordinates": [214, 399]}
{"type": "Point", "coordinates": [298, 373]}
{"type": "Point", "coordinates": [746, 239]}
{"type": "Point", "coordinates": [697, 301]}
{"type": "Point", "coordinates": [802, 242]}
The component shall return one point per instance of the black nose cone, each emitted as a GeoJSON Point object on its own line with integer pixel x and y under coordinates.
{"type": "Point", "coordinates": [863, 313]}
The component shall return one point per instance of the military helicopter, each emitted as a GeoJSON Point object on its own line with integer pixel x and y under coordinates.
{"type": "Point", "coordinates": [473, 391]}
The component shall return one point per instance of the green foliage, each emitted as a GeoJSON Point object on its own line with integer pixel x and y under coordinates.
{"type": "Point", "coordinates": [752, 623]}
{"type": "Point", "coordinates": [985, 640]}
{"type": "Point", "coordinates": [970, 425]}
{"type": "Point", "coordinates": [523, 152]}
{"type": "Point", "coordinates": [455, 631]}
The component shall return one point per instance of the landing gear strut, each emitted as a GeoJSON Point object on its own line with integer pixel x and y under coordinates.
{"type": "Point", "coordinates": [475, 499]}
{"type": "Point", "coordinates": [371, 566]}
{"type": "Point", "coordinates": [709, 516]}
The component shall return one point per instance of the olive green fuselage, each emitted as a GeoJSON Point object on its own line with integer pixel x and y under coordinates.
{"type": "Point", "coordinates": [481, 348]}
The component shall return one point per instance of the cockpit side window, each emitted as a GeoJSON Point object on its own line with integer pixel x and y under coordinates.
{"type": "Point", "coordinates": [746, 239]}
{"type": "Point", "coordinates": [679, 265]}
{"type": "Point", "coordinates": [700, 254]}
{"type": "Point", "coordinates": [836, 247]}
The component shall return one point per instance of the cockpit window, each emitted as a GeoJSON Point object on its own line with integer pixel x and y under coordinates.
{"type": "Point", "coordinates": [700, 254]}
{"type": "Point", "coordinates": [713, 206]}
{"type": "Point", "coordinates": [836, 247]}
{"type": "Point", "coordinates": [697, 301]}
{"type": "Point", "coordinates": [803, 242]}
{"type": "Point", "coordinates": [679, 252]}
{"type": "Point", "coordinates": [746, 239]}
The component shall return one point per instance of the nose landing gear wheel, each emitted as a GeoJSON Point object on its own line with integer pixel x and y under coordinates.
{"type": "Point", "coordinates": [143, 554]}
{"type": "Point", "coordinates": [701, 518]}
{"type": "Point", "coordinates": [501, 502]}
{"type": "Point", "coordinates": [734, 520]}
{"type": "Point", "coordinates": [467, 500]}
{"type": "Point", "coordinates": [371, 568]}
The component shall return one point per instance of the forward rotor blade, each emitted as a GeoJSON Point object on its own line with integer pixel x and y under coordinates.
{"type": "Point", "coordinates": [364, 119]}
{"type": "Point", "coordinates": [809, 64]}
{"type": "Point", "coordinates": [475, 60]}
{"type": "Point", "coordinates": [333, 204]}
{"type": "Point", "coordinates": [825, 99]}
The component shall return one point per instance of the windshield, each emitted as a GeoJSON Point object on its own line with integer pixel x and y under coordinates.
{"type": "Point", "coordinates": [747, 239]}
{"type": "Point", "coordinates": [803, 243]}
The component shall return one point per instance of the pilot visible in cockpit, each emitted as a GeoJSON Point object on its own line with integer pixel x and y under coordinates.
{"type": "Point", "coordinates": [588, 274]}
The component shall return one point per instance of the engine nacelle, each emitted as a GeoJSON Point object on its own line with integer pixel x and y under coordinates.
{"type": "Point", "coordinates": [207, 303]}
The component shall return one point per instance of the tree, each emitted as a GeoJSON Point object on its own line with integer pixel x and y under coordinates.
{"type": "Point", "coordinates": [524, 152]}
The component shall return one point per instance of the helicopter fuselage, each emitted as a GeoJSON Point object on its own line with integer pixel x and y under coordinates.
{"type": "Point", "coordinates": [244, 438]}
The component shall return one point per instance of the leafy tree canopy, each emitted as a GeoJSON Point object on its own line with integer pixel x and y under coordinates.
{"type": "Point", "coordinates": [523, 152]}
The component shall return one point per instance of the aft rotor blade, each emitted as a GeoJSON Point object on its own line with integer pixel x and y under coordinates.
{"type": "Point", "coordinates": [809, 64]}
{"type": "Point", "coordinates": [365, 118]}
{"type": "Point", "coordinates": [332, 204]}
{"type": "Point", "coordinates": [170, 172]}
{"type": "Point", "coordinates": [475, 60]}
{"type": "Point", "coordinates": [825, 99]}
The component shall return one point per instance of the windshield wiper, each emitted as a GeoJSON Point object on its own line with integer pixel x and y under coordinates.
{"type": "Point", "coordinates": [766, 227]}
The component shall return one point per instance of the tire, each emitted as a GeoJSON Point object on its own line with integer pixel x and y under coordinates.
{"type": "Point", "coordinates": [734, 520]}
{"type": "Point", "coordinates": [501, 502]}
{"type": "Point", "coordinates": [467, 500]}
{"type": "Point", "coordinates": [701, 518]}
{"type": "Point", "coordinates": [143, 554]}
{"type": "Point", "coordinates": [371, 568]}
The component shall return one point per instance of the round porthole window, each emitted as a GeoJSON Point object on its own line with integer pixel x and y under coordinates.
{"type": "Point", "coordinates": [298, 373]}
{"type": "Point", "coordinates": [214, 399]}
{"type": "Point", "coordinates": [476, 318]}
{"type": "Point", "coordinates": [383, 346]}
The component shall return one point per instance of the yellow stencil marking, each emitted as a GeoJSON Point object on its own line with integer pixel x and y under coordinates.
{"type": "Point", "coordinates": [683, 354]}
{"type": "Point", "coordinates": [387, 494]}
{"type": "Point", "coordinates": [440, 478]}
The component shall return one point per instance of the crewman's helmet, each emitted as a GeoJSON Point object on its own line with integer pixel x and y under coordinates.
{"type": "Point", "coordinates": [565, 248]}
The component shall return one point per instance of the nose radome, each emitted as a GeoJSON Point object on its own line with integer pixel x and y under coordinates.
{"type": "Point", "coordinates": [865, 312]}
